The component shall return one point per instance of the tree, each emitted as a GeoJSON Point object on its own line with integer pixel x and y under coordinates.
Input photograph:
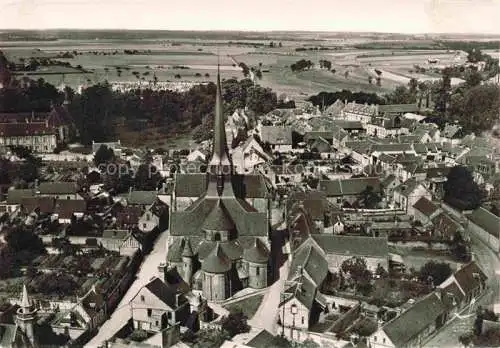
{"type": "Point", "coordinates": [261, 100]}
{"type": "Point", "coordinates": [437, 272]}
{"type": "Point", "coordinates": [476, 108]}
{"type": "Point", "coordinates": [381, 272]}
{"type": "Point", "coordinates": [460, 190]}
{"type": "Point", "coordinates": [473, 78]}
{"type": "Point", "coordinates": [401, 95]}
{"type": "Point", "coordinates": [358, 272]}
{"type": "Point", "coordinates": [369, 198]}
{"type": "Point", "coordinates": [103, 155]}
{"type": "Point", "coordinates": [235, 323]}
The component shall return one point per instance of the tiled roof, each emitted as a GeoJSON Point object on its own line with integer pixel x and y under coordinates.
{"type": "Point", "coordinates": [58, 188]}
{"type": "Point", "coordinates": [314, 202]}
{"type": "Point", "coordinates": [45, 204]}
{"type": "Point", "coordinates": [392, 148]}
{"type": "Point", "coordinates": [248, 221]}
{"type": "Point", "coordinates": [425, 206]}
{"type": "Point", "coordinates": [348, 125]}
{"type": "Point", "coordinates": [163, 292]}
{"type": "Point", "coordinates": [66, 207]}
{"type": "Point", "coordinates": [470, 277]}
{"type": "Point", "coordinates": [352, 245]}
{"type": "Point", "coordinates": [195, 185]}
{"type": "Point", "coordinates": [142, 197]}
{"type": "Point", "coordinates": [446, 225]}
{"type": "Point", "coordinates": [276, 135]}
{"type": "Point", "coordinates": [219, 219]}
{"type": "Point", "coordinates": [486, 220]}
{"type": "Point", "coordinates": [308, 259]}
{"type": "Point", "coordinates": [216, 261]}
{"type": "Point", "coordinates": [15, 196]}
{"type": "Point", "coordinates": [258, 253]}
{"type": "Point", "coordinates": [398, 108]}
{"type": "Point", "coordinates": [413, 321]}
{"type": "Point", "coordinates": [25, 129]}
{"type": "Point", "coordinates": [344, 187]}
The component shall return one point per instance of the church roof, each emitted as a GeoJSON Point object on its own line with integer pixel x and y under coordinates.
{"type": "Point", "coordinates": [25, 301]}
{"type": "Point", "coordinates": [187, 251]}
{"type": "Point", "coordinates": [217, 261]}
{"type": "Point", "coordinates": [219, 219]}
{"type": "Point", "coordinates": [248, 221]}
{"type": "Point", "coordinates": [257, 253]}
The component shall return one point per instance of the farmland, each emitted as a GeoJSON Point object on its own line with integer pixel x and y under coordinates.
{"type": "Point", "coordinates": [198, 57]}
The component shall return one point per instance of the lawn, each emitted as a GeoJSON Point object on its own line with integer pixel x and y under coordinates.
{"type": "Point", "coordinates": [248, 305]}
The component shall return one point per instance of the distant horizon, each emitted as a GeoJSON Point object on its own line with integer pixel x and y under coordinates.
{"type": "Point", "coordinates": [411, 17]}
{"type": "Point", "coordinates": [250, 31]}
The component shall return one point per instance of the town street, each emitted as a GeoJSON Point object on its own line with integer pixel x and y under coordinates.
{"type": "Point", "coordinates": [490, 263]}
{"type": "Point", "coordinates": [148, 269]}
{"type": "Point", "coordinates": [267, 315]}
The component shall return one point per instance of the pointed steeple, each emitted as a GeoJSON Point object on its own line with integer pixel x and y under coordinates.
{"type": "Point", "coordinates": [187, 251]}
{"type": "Point", "coordinates": [25, 301]}
{"type": "Point", "coordinates": [219, 167]}
{"type": "Point", "coordinates": [220, 155]}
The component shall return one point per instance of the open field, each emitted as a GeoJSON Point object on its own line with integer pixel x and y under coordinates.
{"type": "Point", "coordinates": [105, 60]}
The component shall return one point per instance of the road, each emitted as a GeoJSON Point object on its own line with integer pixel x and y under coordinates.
{"type": "Point", "coordinates": [267, 314]}
{"type": "Point", "coordinates": [490, 263]}
{"type": "Point", "coordinates": [121, 315]}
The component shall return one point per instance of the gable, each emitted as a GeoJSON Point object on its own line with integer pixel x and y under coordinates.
{"type": "Point", "coordinates": [150, 300]}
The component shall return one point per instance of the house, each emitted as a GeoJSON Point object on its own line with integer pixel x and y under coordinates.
{"type": "Point", "coordinates": [408, 193]}
{"type": "Point", "coordinates": [141, 199]}
{"type": "Point", "coordinates": [40, 205]}
{"type": "Point", "coordinates": [445, 227]}
{"type": "Point", "coordinates": [412, 327]}
{"type": "Point", "coordinates": [389, 184]}
{"type": "Point", "coordinates": [314, 203]}
{"type": "Point", "coordinates": [59, 190]}
{"type": "Point", "coordinates": [157, 306]}
{"type": "Point", "coordinates": [484, 224]}
{"type": "Point", "coordinates": [348, 190]}
{"type": "Point", "coordinates": [116, 146]}
{"type": "Point", "coordinates": [424, 210]}
{"type": "Point", "coordinates": [279, 138]}
{"type": "Point", "coordinates": [470, 281]}
{"type": "Point", "coordinates": [148, 221]}
{"type": "Point", "coordinates": [452, 133]}
{"type": "Point", "coordinates": [359, 112]}
{"type": "Point", "coordinates": [122, 241]}
{"type": "Point", "coordinates": [334, 110]}
{"type": "Point", "coordinates": [387, 126]}
{"type": "Point", "coordinates": [337, 248]}
{"type": "Point", "coordinates": [15, 198]}
{"type": "Point", "coordinates": [67, 209]}
{"type": "Point", "coordinates": [127, 218]}
{"type": "Point", "coordinates": [308, 270]}
{"type": "Point", "coordinates": [197, 155]}
{"type": "Point", "coordinates": [249, 154]}
{"type": "Point", "coordinates": [353, 128]}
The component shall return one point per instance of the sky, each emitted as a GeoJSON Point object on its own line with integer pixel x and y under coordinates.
{"type": "Point", "coordinates": [397, 16]}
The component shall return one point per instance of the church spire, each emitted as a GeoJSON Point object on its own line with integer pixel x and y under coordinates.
{"type": "Point", "coordinates": [220, 154]}
{"type": "Point", "coordinates": [25, 301]}
{"type": "Point", "coordinates": [220, 167]}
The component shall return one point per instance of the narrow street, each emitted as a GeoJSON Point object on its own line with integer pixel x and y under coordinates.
{"type": "Point", "coordinates": [148, 269]}
{"type": "Point", "coordinates": [266, 315]}
{"type": "Point", "coordinates": [490, 263]}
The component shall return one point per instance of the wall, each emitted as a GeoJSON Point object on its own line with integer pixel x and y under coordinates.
{"type": "Point", "coordinates": [301, 318]}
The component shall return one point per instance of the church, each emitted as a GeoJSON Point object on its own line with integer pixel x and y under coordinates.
{"type": "Point", "coordinates": [220, 224]}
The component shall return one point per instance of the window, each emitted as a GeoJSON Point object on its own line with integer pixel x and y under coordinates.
{"type": "Point", "coordinates": [217, 237]}
{"type": "Point", "coordinates": [150, 311]}
{"type": "Point", "coordinates": [383, 340]}
{"type": "Point", "coordinates": [302, 320]}
{"type": "Point", "coordinates": [142, 298]}
{"type": "Point", "coordinates": [375, 338]}
{"type": "Point", "coordinates": [257, 271]}
{"type": "Point", "coordinates": [156, 323]}
{"type": "Point", "coordinates": [144, 225]}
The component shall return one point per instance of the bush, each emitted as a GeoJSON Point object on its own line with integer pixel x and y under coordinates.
{"type": "Point", "coordinates": [138, 335]}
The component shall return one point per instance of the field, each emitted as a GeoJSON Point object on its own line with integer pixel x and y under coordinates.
{"type": "Point", "coordinates": [105, 60]}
